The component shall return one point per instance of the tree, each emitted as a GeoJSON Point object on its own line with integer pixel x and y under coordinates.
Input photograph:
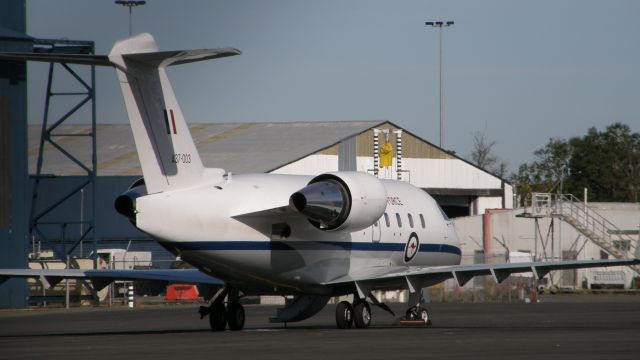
{"type": "Point", "coordinates": [482, 155]}
{"type": "Point", "coordinates": [606, 163]}
{"type": "Point", "coordinates": [547, 172]}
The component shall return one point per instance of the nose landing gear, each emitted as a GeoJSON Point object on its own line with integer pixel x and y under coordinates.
{"type": "Point", "coordinates": [417, 315]}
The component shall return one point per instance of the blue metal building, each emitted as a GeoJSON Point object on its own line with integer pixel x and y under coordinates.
{"type": "Point", "coordinates": [13, 152]}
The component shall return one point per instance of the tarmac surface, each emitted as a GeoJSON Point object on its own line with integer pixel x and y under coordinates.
{"type": "Point", "coordinates": [559, 327]}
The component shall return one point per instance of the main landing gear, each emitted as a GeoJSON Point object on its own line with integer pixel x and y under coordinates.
{"type": "Point", "coordinates": [347, 315]}
{"type": "Point", "coordinates": [358, 313]}
{"type": "Point", "coordinates": [220, 315]}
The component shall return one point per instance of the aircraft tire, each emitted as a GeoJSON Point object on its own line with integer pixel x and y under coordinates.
{"type": "Point", "coordinates": [235, 316]}
{"type": "Point", "coordinates": [424, 316]}
{"type": "Point", "coordinates": [218, 317]}
{"type": "Point", "coordinates": [418, 313]}
{"type": "Point", "coordinates": [362, 315]}
{"type": "Point", "coordinates": [344, 315]}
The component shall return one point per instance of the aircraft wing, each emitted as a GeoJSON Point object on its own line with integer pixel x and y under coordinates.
{"type": "Point", "coordinates": [102, 278]}
{"type": "Point", "coordinates": [417, 277]}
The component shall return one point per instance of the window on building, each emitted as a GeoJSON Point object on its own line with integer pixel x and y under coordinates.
{"type": "Point", "coordinates": [410, 220]}
{"type": "Point", "coordinates": [399, 220]}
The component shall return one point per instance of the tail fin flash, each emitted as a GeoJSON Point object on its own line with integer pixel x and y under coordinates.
{"type": "Point", "coordinates": [167, 153]}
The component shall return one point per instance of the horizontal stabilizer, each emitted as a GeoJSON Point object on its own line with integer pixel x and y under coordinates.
{"type": "Point", "coordinates": [175, 57]}
{"type": "Point", "coordinates": [83, 59]}
{"type": "Point", "coordinates": [168, 58]}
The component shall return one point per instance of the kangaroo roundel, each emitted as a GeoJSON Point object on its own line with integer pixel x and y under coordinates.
{"type": "Point", "coordinates": [412, 247]}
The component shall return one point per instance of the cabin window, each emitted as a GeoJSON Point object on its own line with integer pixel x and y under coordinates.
{"type": "Point", "coordinates": [410, 220]}
{"type": "Point", "coordinates": [386, 220]}
{"type": "Point", "coordinates": [399, 220]}
{"type": "Point", "coordinates": [422, 221]}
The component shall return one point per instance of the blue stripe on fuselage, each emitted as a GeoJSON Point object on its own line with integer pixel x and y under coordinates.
{"type": "Point", "coordinates": [310, 245]}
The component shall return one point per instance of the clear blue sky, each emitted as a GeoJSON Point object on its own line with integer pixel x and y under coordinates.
{"type": "Point", "coordinates": [523, 70]}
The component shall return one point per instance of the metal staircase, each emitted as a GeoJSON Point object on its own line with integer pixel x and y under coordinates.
{"type": "Point", "coordinates": [587, 221]}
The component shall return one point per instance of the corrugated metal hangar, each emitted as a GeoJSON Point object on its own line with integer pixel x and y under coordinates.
{"type": "Point", "coordinates": [306, 148]}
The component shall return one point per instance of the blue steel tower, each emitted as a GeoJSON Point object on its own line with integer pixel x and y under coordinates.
{"type": "Point", "coordinates": [13, 151]}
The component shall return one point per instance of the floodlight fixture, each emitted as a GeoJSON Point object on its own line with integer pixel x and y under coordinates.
{"type": "Point", "coordinates": [440, 25]}
{"type": "Point", "coordinates": [130, 4]}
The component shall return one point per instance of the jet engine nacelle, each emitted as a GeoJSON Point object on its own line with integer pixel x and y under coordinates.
{"type": "Point", "coordinates": [342, 200]}
{"type": "Point", "coordinates": [125, 204]}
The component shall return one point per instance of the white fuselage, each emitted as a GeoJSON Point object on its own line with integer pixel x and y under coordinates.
{"type": "Point", "coordinates": [207, 227]}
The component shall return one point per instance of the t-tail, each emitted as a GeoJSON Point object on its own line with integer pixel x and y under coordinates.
{"type": "Point", "coordinates": [167, 152]}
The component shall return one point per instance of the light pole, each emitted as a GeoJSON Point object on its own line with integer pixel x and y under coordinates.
{"type": "Point", "coordinates": [130, 4]}
{"type": "Point", "coordinates": [440, 25]}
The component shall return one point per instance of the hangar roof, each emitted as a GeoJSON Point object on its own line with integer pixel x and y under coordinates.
{"type": "Point", "coordinates": [237, 147]}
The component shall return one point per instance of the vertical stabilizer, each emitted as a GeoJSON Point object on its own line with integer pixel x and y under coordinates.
{"type": "Point", "coordinates": [166, 150]}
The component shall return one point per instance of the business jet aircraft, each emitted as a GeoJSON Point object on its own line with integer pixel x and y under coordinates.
{"type": "Point", "coordinates": [338, 233]}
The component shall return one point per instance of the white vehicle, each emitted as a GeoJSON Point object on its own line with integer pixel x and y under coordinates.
{"type": "Point", "coordinates": [337, 233]}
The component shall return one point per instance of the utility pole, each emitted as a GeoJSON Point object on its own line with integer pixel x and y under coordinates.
{"type": "Point", "coordinates": [440, 25]}
{"type": "Point", "coordinates": [130, 4]}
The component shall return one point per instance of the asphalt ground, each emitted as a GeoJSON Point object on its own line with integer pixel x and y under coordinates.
{"type": "Point", "coordinates": [559, 327]}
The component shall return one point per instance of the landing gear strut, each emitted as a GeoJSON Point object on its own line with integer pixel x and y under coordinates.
{"type": "Point", "coordinates": [220, 315]}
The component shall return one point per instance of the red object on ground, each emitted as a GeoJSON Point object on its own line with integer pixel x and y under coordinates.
{"type": "Point", "coordinates": [182, 292]}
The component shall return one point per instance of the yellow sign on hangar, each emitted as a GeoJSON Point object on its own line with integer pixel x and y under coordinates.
{"type": "Point", "coordinates": [386, 155]}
